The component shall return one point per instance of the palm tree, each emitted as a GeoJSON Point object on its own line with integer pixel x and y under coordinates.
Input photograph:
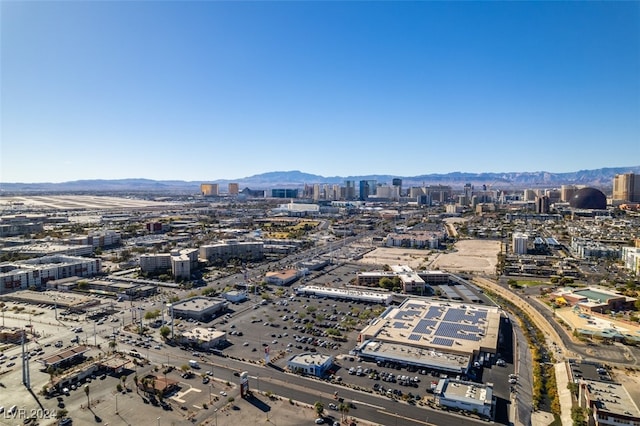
{"type": "Point", "coordinates": [344, 409]}
{"type": "Point", "coordinates": [86, 391]}
{"type": "Point", "coordinates": [319, 407]}
{"type": "Point", "coordinates": [135, 380]}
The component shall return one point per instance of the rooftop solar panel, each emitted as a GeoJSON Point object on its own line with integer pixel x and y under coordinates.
{"type": "Point", "coordinates": [423, 326]}
{"type": "Point", "coordinates": [406, 314]}
{"type": "Point", "coordinates": [414, 337]}
{"type": "Point", "coordinates": [434, 312]}
{"type": "Point", "coordinates": [400, 324]}
{"type": "Point", "coordinates": [442, 341]}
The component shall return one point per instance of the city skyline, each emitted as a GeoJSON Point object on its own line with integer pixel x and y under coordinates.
{"type": "Point", "coordinates": [218, 90]}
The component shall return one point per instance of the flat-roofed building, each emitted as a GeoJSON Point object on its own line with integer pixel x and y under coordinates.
{"type": "Point", "coordinates": [199, 308]}
{"type": "Point", "coordinates": [594, 299]}
{"type": "Point", "coordinates": [180, 262]}
{"type": "Point", "coordinates": [37, 272]}
{"type": "Point", "coordinates": [426, 333]}
{"type": "Point", "coordinates": [13, 225]}
{"type": "Point", "coordinates": [631, 259]}
{"type": "Point", "coordinates": [384, 298]}
{"type": "Point", "coordinates": [519, 242]}
{"type": "Point", "coordinates": [314, 364]}
{"type": "Point", "coordinates": [64, 357]}
{"type": "Point", "coordinates": [467, 396]}
{"type": "Point", "coordinates": [49, 249]}
{"type": "Point", "coordinates": [608, 404]}
{"type": "Point", "coordinates": [203, 338]}
{"type": "Point", "coordinates": [282, 278]}
{"type": "Point", "coordinates": [232, 249]}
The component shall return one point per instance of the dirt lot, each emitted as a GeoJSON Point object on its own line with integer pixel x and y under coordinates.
{"type": "Point", "coordinates": [476, 256]}
{"type": "Point", "coordinates": [398, 256]}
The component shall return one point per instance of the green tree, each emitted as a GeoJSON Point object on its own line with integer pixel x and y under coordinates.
{"type": "Point", "coordinates": [150, 315]}
{"type": "Point", "coordinates": [165, 331]}
{"type": "Point", "coordinates": [319, 407]}
{"type": "Point", "coordinates": [386, 283]}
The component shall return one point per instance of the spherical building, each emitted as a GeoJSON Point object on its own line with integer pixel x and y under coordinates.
{"type": "Point", "coordinates": [589, 198]}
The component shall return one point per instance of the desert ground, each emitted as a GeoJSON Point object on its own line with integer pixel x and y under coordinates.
{"type": "Point", "coordinates": [474, 256]}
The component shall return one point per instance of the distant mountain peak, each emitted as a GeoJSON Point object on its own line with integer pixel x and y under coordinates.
{"type": "Point", "coordinates": [599, 178]}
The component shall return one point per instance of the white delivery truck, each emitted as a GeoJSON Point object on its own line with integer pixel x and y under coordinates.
{"type": "Point", "coordinates": [194, 363]}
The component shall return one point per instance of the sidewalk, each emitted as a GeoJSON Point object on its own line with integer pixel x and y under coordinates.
{"type": "Point", "coordinates": [566, 400]}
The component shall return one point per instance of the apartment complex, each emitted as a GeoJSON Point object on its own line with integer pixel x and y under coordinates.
{"type": "Point", "coordinates": [232, 249]}
{"type": "Point", "coordinates": [519, 242]}
{"type": "Point", "coordinates": [37, 272]}
{"type": "Point", "coordinates": [180, 262]}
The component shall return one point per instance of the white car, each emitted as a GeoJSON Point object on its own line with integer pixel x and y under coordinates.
{"type": "Point", "coordinates": [223, 393]}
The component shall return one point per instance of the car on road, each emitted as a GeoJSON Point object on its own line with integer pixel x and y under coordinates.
{"type": "Point", "coordinates": [223, 393]}
{"type": "Point", "coordinates": [333, 406]}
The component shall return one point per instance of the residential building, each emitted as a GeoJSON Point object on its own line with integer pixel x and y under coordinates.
{"type": "Point", "coordinates": [631, 259]}
{"type": "Point", "coordinates": [519, 242]}
{"type": "Point", "coordinates": [37, 272]}
{"type": "Point", "coordinates": [232, 249]}
{"type": "Point", "coordinates": [180, 262]}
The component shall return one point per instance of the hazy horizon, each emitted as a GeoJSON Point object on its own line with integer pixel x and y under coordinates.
{"type": "Point", "coordinates": [219, 90]}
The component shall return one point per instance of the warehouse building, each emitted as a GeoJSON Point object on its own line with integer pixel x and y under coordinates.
{"type": "Point", "coordinates": [430, 334]}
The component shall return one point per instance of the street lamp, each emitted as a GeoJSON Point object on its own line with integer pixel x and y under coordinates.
{"type": "Point", "coordinates": [158, 421]}
{"type": "Point", "coordinates": [116, 403]}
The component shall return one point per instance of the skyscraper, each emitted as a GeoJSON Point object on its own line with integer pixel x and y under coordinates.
{"type": "Point", "coordinates": [367, 188]}
{"type": "Point", "coordinates": [349, 190]}
{"type": "Point", "coordinates": [234, 189]}
{"type": "Point", "coordinates": [626, 187]}
{"type": "Point", "coordinates": [209, 189]}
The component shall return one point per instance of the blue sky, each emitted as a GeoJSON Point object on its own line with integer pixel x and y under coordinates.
{"type": "Point", "coordinates": [223, 90]}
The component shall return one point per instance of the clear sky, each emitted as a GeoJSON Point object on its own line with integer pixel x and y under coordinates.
{"type": "Point", "coordinates": [208, 90]}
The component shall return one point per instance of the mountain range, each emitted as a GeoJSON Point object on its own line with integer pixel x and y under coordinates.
{"type": "Point", "coordinates": [598, 178]}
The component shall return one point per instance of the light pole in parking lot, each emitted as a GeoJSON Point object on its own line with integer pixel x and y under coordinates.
{"type": "Point", "coordinates": [116, 403]}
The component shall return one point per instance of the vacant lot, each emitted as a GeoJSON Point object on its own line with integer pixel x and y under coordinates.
{"type": "Point", "coordinates": [398, 256]}
{"type": "Point", "coordinates": [476, 256]}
